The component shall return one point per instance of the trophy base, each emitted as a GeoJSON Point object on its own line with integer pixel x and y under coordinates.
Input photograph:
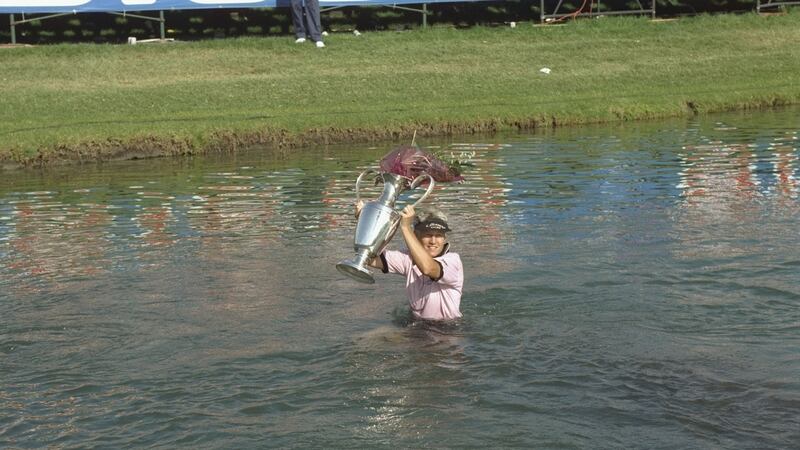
{"type": "Point", "coordinates": [354, 271]}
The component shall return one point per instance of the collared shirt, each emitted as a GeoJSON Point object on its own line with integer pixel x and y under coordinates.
{"type": "Point", "coordinates": [429, 299]}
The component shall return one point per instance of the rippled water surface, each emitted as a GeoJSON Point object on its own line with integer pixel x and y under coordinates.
{"type": "Point", "coordinates": [627, 287]}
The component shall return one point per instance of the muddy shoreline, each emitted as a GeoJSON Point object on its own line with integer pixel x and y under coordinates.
{"type": "Point", "coordinates": [279, 141]}
{"type": "Point", "coordinates": [284, 142]}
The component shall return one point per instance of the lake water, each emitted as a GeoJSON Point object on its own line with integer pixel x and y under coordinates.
{"type": "Point", "coordinates": [627, 286]}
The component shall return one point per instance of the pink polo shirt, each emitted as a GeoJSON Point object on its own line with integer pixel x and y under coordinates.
{"type": "Point", "coordinates": [429, 299]}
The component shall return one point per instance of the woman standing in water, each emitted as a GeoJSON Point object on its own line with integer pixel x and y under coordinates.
{"type": "Point", "coordinates": [434, 274]}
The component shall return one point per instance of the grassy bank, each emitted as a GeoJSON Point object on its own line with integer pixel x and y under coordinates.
{"type": "Point", "coordinates": [79, 102]}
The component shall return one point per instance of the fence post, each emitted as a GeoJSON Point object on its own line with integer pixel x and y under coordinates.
{"type": "Point", "coordinates": [541, 11]}
{"type": "Point", "coordinates": [13, 30]}
{"type": "Point", "coordinates": [161, 17]}
{"type": "Point", "coordinates": [424, 15]}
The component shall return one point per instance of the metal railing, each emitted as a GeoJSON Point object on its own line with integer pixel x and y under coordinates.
{"type": "Point", "coordinates": [773, 4]}
{"type": "Point", "coordinates": [594, 10]}
{"type": "Point", "coordinates": [423, 11]}
{"type": "Point", "coordinates": [15, 22]}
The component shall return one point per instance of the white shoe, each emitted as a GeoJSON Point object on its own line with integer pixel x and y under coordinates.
{"type": "Point", "coordinates": [299, 40]}
{"type": "Point", "coordinates": [320, 44]}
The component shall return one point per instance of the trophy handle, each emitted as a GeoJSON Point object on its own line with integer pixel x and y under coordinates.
{"type": "Point", "coordinates": [417, 182]}
{"type": "Point", "coordinates": [358, 182]}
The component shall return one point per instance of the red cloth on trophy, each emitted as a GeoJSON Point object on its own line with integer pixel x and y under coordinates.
{"type": "Point", "coordinates": [410, 161]}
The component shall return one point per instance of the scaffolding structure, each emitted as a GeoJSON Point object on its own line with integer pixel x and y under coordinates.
{"type": "Point", "coordinates": [591, 8]}
{"type": "Point", "coordinates": [588, 8]}
{"type": "Point", "coordinates": [50, 9]}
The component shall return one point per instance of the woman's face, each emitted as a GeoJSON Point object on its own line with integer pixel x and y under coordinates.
{"type": "Point", "coordinates": [433, 241]}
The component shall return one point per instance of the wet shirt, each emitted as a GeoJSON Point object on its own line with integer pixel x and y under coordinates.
{"type": "Point", "coordinates": [429, 299]}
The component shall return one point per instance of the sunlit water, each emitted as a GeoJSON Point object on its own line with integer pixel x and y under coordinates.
{"type": "Point", "coordinates": [632, 286]}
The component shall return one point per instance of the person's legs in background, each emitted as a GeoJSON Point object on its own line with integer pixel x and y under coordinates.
{"type": "Point", "coordinates": [298, 20]}
{"type": "Point", "coordinates": [313, 21]}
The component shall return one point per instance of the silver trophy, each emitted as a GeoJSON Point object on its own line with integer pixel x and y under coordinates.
{"type": "Point", "coordinates": [378, 222]}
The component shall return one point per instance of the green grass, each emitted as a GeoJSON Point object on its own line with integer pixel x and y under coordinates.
{"type": "Point", "coordinates": [93, 101]}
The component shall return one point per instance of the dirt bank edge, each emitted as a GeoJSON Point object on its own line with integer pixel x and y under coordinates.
{"type": "Point", "coordinates": [283, 141]}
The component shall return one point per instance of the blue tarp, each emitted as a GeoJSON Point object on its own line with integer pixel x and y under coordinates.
{"type": "Point", "coordinates": [89, 6]}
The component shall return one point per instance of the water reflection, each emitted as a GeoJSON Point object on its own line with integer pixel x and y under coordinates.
{"type": "Point", "coordinates": [73, 231]}
{"type": "Point", "coordinates": [614, 276]}
{"type": "Point", "coordinates": [784, 164]}
{"type": "Point", "coordinates": [726, 185]}
{"type": "Point", "coordinates": [63, 233]}
{"type": "Point", "coordinates": [411, 375]}
{"type": "Point", "coordinates": [50, 240]}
